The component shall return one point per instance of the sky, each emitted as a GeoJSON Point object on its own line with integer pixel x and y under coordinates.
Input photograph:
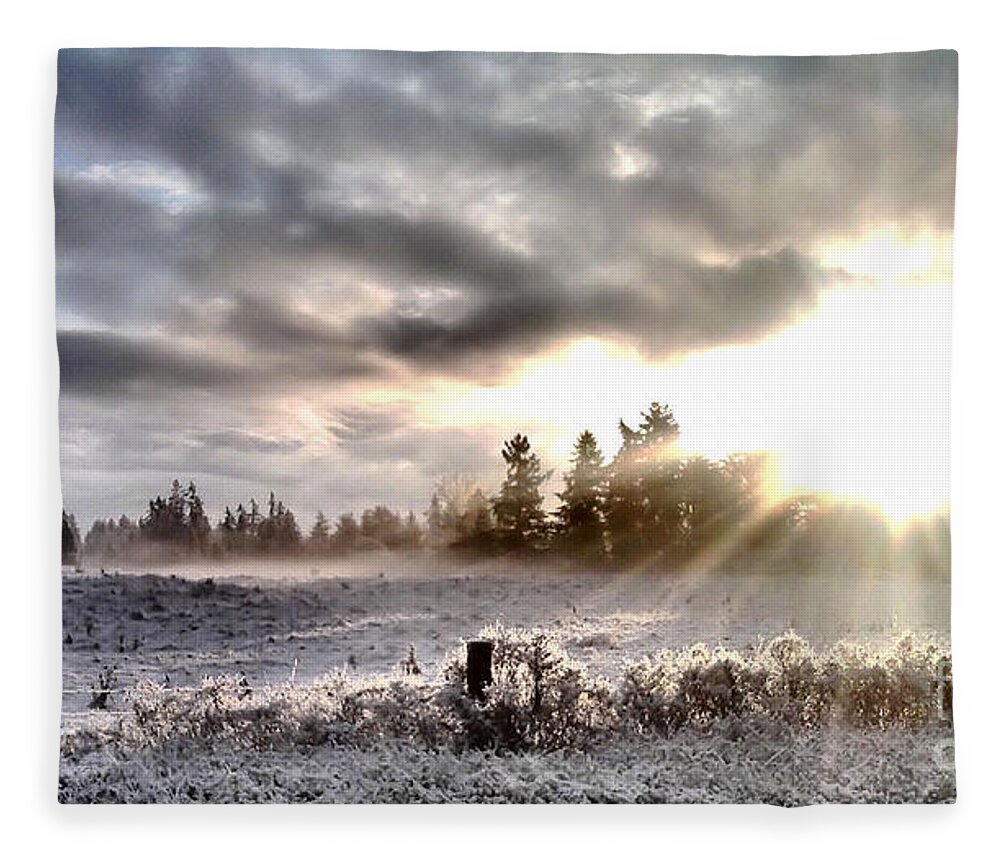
{"type": "Point", "coordinates": [344, 275]}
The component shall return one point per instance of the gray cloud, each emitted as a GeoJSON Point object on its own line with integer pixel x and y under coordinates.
{"type": "Point", "coordinates": [387, 436]}
{"type": "Point", "coordinates": [100, 362]}
{"type": "Point", "coordinates": [248, 443]}
{"type": "Point", "coordinates": [232, 223]}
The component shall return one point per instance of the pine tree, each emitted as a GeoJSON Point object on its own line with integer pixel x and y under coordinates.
{"type": "Point", "coordinates": [319, 537]}
{"type": "Point", "coordinates": [347, 533]}
{"type": "Point", "coordinates": [253, 519]}
{"type": "Point", "coordinates": [660, 478]}
{"type": "Point", "coordinates": [476, 532]}
{"type": "Point", "coordinates": [383, 526]}
{"type": "Point", "coordinates": [198, 526]}
{"type": "Point", "coordinates": [643, 510]}
{"type": "Point", "coordinates": [581, 518]}
{"type": "Point", "coordinates": [435, 521]}
{"type": "Point", "coordinates": [278, 532]}
{"type": "Point", "coordinates": [411, 536]}
{"type": "Point", "coordinates": [70, 539]}
{"type": "Point", "coordinates": [704, 503]}
{"type": "Point", "coordinates": [229, 530]}
{"type": "Point", "coordinates": [176, 520]}
{"type": "Point", "coordinates": [518, 506]}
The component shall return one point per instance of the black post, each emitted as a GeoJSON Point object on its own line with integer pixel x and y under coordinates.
{"type": "Point", "coordinates": [479, 667]}
{"type": "Point", "coordinates": [947, 691]}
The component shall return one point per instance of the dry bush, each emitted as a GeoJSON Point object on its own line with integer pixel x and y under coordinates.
{"type": "Point", "coordinates": [541, 700]}
{"type": "Point", "coordinates": [787, 681]}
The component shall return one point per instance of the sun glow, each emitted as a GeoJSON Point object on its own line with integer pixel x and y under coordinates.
{"type": "Point", "coordinates": [852, 401]}
{"type": "Point", "coordinates": [891, 256]}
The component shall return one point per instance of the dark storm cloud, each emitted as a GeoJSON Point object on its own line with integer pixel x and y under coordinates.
{"type": "Point", "coordinates": [274, 137]}
{"type": "Point", "coordinates": [99, 363]}
{"type": "Point", "coordinates": [682, 307]}
{"type": "Point", "coordinates": [105, 364]}
{"type": "Point", "coordinates": [249, 443]}
{"type": "Point", "coordinates": [418, 248]}
{"type": "Point", "coordinates": [388, 436]}
{"type": "Point", "coordinates": [245, 221]}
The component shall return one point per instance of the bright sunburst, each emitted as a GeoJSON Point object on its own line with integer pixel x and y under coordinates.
{"type": "Point", "coordinates": [851, 401]}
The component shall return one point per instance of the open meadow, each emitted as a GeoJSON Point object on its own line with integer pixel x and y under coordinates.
{"type": "Point", "coordinates": [343, 681]}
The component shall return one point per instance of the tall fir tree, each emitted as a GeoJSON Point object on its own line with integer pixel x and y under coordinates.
{"type": "Point", "coordinates": [70, 540]}
{"type": "Point", "coordinates": [643, 502]}
{"type": "Point", "coordinates": [198, 526]}
{"type": "Point", "coordinates": [581, 516]}
{"type": "Point", "coordinates": [346, 534]}
{"type": "Point", "coordinates": [436, 521]}
{"type": "Point", "coordinates": [319, 536]}
{"type": "Point", "coordinates": [520, 518]}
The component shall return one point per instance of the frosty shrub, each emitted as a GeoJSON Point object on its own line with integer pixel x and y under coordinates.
{"type": "Point", "coordinates": [799, 687]}
{"type": "Point", "coordinates": [785, 680]}
{"type": "Point", "coordinates": [541, 700]}
{"type": "Point", "coordinates": [397, 709]}
{"type": "Point", "coordinates": [900, 686]}
{"type": "Point", "coordinates": [691, 687]}
{"type": "Point", "coordinates": [222, 708]}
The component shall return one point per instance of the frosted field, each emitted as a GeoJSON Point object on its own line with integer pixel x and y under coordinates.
{"type": "Point", "coordinates": [288, 628]}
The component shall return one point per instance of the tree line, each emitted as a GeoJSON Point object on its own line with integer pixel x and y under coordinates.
{"type": "Point", "coordinates": [646, 506]}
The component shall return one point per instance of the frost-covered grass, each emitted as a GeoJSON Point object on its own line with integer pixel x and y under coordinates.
{"type": "Point", "coordinates": [782, 723]}
{"type": "Point", "coordinates": [758, 766]}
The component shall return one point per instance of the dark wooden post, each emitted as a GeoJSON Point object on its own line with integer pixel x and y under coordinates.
{"type": "Point", "coordinates": [478, 667]}
{"type": "Point", "coordinates": [947, 689]}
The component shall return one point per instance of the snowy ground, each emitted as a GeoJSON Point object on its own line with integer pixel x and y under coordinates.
{"type": "Point", "coordinates": [854, 767]}
{"type": "Point", "coordinates": [277, 622]}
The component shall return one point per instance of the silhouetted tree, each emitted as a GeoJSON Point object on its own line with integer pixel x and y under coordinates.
{"type": "Point", "coordinates": [168, 521]}
{"type": "Point", "coordinates": [229, 537]}
{"type": "Point", "coordinates": [253, 521]}
{"type": "Point", "coordinates": [705, 504]}
{"type": "Point", "coordinates": [175, 522]}
{"type": "Point", "coordinates": [581, 517]}
{"type": "Point", "coordinates": [382, 526]}
{"type": "Point", "coordinates": [347, 533]}
{"type": "Point", "coordinates": [278, 533]}
{"type": "Point", "coordinates": [476, 532]}
{"type": "Point", "coordinates": [70, 540]}
{"type": "Point", "coordinates": [521, 521]}
{"type": "Point", "coordinates": [643, 508]}
{"type": "Point", "coordinates": [198, 526]}
{"type": "Point", "coordinates": [436, 532]}
{"type": "Point", "coordinates": [319, 537]}
{"type": "Point", "coordinates": [412, 536]}
{"type": "Point", "coordinates": [454, 510]}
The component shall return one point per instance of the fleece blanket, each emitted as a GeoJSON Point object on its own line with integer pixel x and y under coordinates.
{"type": "Point", "coordinates": [494, 427]}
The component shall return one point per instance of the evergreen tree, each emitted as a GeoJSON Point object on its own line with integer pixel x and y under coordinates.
{"type": "Point", "coordinates": [70, 540]}
{"type": "Point", "coordinates": [435, 521]}
{"type": "Point", "coordinates": [476, 532]}
{"type": "Point", "coordinates": [198, 526]}
{"type": "Point", "coordinates": [254, 519]}
{"type": "Point", "coordinates": [319, 537]}
{"type": "Point", "coordinates": [412, 536]}
{"type": "Point", "coordinates": [347, 533]}
{"type": "Point", "coordinates": [278, 532]}
{"type": "Point", "coordinates": [518, 506]}
{"type": "Point", "coordinates": [643, 508]}
{"type": "Point", "coordinates": [581, 518]}
{"type": "Point", "coordinates": [382, 526]}
{"type": "Point", "coordinates": [176, 519]}
{"type": "Point", "coordinates": [705, 504]}
{"type": "Point", "coordinates": [229, 535]}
